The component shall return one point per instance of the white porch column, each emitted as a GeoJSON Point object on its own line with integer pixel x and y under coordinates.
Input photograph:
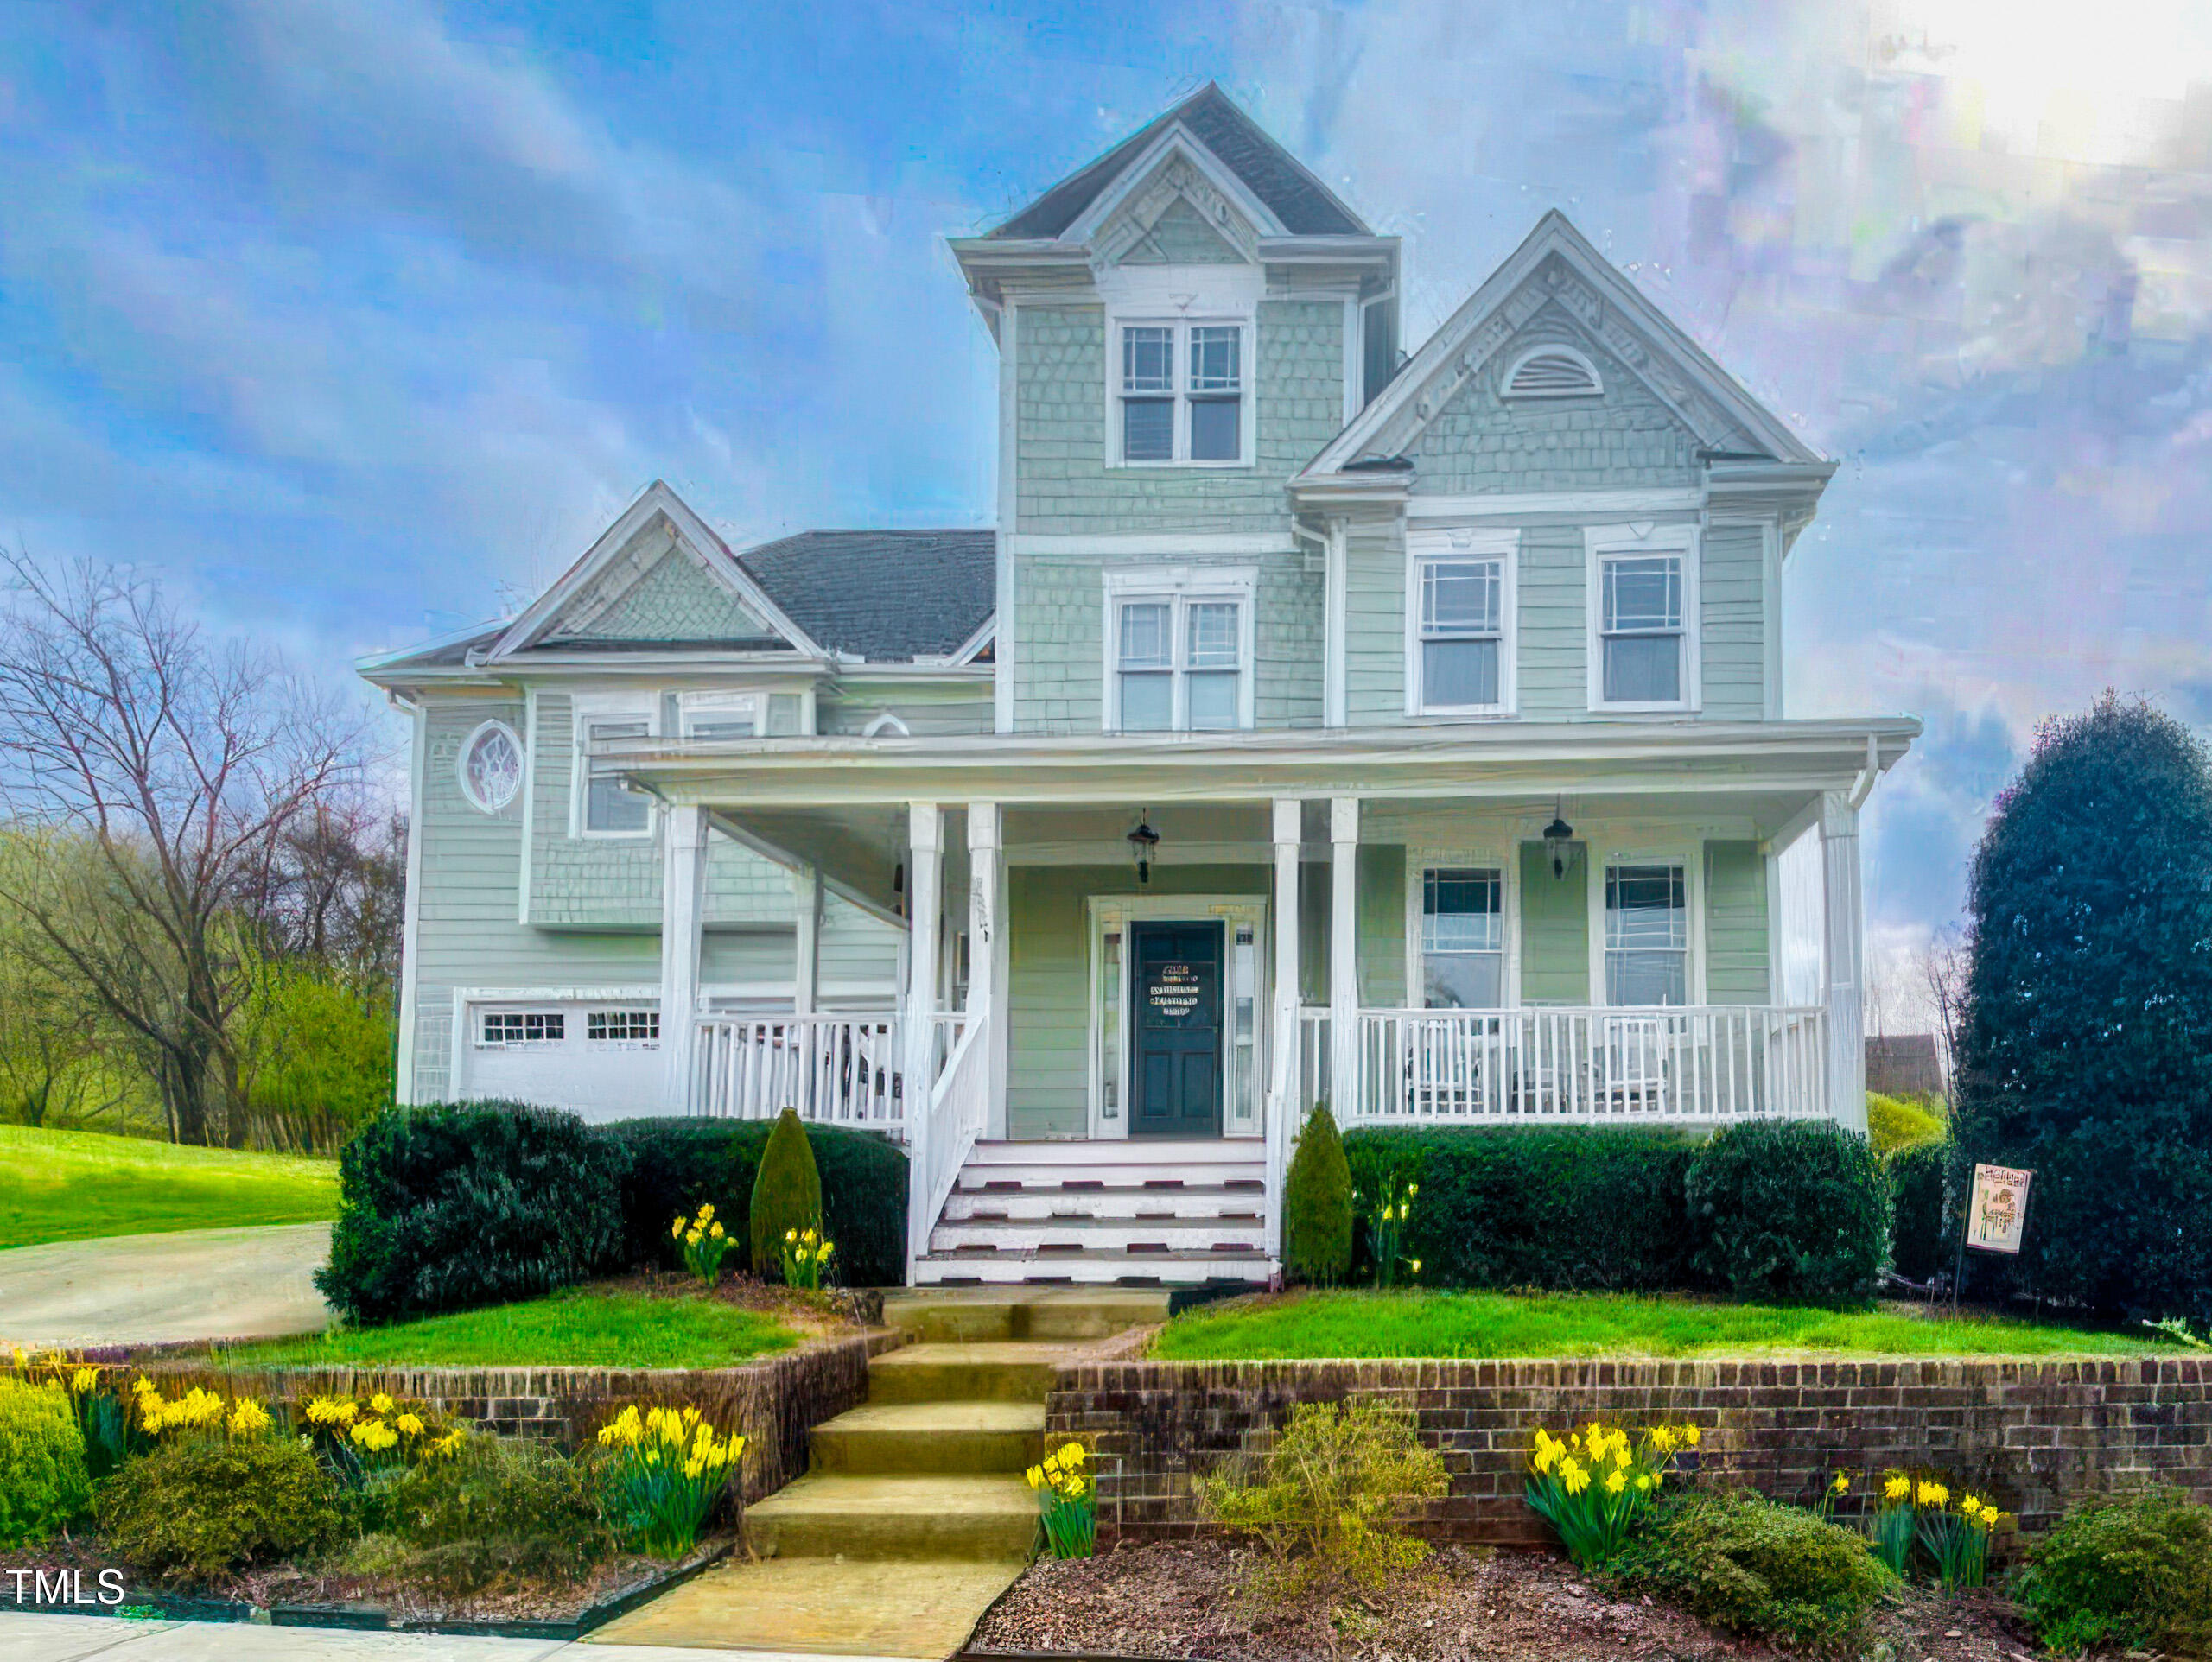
{"type": "Point", "coordinates": [983, 941]}
{"type": "Point", "coordinates": [1343, 958]}
{"type": "Point", "coordinates": [806, 962]}
{"type": "Point", "coordinates": [1283, 1030]}
{"type": "Point", "coordinates": [683, 916]}
{"type": "Point", "coordinates": [1843, 960]}
{"type": "Point", "coordinates": [924, 850]}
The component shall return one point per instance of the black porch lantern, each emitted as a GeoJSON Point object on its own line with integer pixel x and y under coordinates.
{"type": "Point", "coordinates": [1559, 843]}
{"type": "Point", "coordinates": [1144, 841]}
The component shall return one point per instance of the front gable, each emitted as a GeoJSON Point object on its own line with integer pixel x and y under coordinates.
{"type": "Point", "coordinates": [1552, 409]}
{"type": "Point", "coordinates": [658, 574]}
{"type": "Point", "coordinates": [1556, 281]}
{"type": "Point", "coordinates": [668, 598]}
{"type": "Point", "coordinates": [1180, 236]}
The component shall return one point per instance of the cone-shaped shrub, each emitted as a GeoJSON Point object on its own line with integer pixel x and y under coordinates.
{"type": "Point", "coordinates": [1317, 1204]}
{"type": "Point", "coordinates": [786, 1192]}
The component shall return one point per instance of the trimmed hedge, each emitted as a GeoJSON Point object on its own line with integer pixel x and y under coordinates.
{"type": "Point", "coordinates": [1571, 1209]}
{"type": "Point", "coordinates": [456, 1205]}
{"type": "Point", "coordinates": [44, 1483]}
{"type": "Point", "coordinates": [1921, 1243]}
{"type": "Point", "coordinates": [1792, 1211]}
{"type": "Point", "coordinates": [674, 1164]}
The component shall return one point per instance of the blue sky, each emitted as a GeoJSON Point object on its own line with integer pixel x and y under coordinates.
{"type": "Point", "coordinates": [356, 319]}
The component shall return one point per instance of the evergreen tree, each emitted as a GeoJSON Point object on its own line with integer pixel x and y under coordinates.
{"type": "Point", "coordinates": [786, 1193]}
{"type": "Point", "coordinates": [1317, 1204]}
{"type": "Point", "coordinates": [2085, 1048]}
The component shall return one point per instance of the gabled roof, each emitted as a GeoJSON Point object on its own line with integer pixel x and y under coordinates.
{"type": "Point", "coordinates": [698, 540]}
{"type": "Point", "coordinates": [885, 596]}
{"type": "Point", "coordinates": [1306, 206]}
{"type": "Point", "coordinates": [1557, 262]}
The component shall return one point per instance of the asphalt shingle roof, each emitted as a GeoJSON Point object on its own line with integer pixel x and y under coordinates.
{"type": "Point", "coordinates": [886, 596]}
{"type": "Point", "coordinates": [1268, 170]}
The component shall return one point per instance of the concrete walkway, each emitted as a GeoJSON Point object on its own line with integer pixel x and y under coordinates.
{"type": "Point", "coordinates": [78, 1638]}
{"type": "Point", "coordinates": [193, 1283]}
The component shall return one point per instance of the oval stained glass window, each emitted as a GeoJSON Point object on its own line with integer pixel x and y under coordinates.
{"type": "Point", "coordinates": [491, 766]}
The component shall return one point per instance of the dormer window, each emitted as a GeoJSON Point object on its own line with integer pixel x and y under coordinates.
{"type": "Point", "coordinates": [1180, 392]}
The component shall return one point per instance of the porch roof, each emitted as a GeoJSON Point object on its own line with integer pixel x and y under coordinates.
{"type": "Point", "coordinates": [1457, 762]}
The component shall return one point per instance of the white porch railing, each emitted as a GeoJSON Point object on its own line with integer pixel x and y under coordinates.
{"type": "Point", "coordinates": [1673, 1065]}
{"type": "Point", "coordinates": [942, 1133]}
{"type": "Point", "coordinates": [843, 1071]}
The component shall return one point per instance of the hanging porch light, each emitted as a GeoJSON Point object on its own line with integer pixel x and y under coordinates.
{"type": "Point", "coordinates": [1144, 842]}
{"type": "Point", "coordinates": [1558, 841]}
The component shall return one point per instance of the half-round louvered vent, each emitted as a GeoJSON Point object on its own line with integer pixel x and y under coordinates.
{"type": "Point", "coordinates": [1553, 372]}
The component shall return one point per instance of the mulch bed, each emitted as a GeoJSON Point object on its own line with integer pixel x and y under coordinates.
{"type": "Point", "coordinates": [1186, 1599]}
{"type": "Point", "coordinates": [369, 1596]}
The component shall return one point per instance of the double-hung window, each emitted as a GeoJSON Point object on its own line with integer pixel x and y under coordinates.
{"type": "Point", "coordinates": [605, 809]}
{"type": "Point", "coordinates": [1180, 389]}
{"type": "Point", "coordinates": [1459, 604]}
{"type": "Point", "coordinates": [1646, 935]}
{"type": "Point", "coordinates": [1180, 662]}
{"type": "Point", "coordinates": [1463, 938]}
{"type": "Point", "coordinates": [1644, 600]}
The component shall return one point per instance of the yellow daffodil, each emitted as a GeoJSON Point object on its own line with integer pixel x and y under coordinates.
{"type": "Point", "coordinates": [1036, 1477]}
{"type": "Point", "coordinates": [676, 1229]}
{"type": "Point", "coordinates": [1663, 1438]}
{"type": "Point", "coordinates": [1842, 1484]}
{"type": "Point", "coordinates": [381, 1404]}
{"type": "Point", "coordinates": [1932, 1495]}
{"type": "Point", "coordinates": [84, 1379]}
{"type": "Point", "coordinates": [1615, 1481]}
{"type": "Point", "coordinates": [714, 1232]}
{"type": "Point", "coordinates": [706, 1211]}
{"type": "Point", "coordinates": [1572, 1478]}
{"type": "Point", "coordinates": [1645, 1482]}
{"type": "Point", "coordinates": [409, 1425]}
{"type": "Point", "coordinates": [790, 1237]}
{"type": "Point", "coordinates": [1620, 1456]}
{"type": "Point", "coordinates": [1691, 1434]}
{"type": "Point", "coordinates": [1897, 1486]}
{"type": "Point", "coordinates": [1071, 1454]}
{"type": "Point", "coordinates": [249, 1419]}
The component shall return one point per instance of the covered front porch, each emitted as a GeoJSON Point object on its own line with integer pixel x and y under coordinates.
{"type": "Point", "coordinates": [1410, 951]}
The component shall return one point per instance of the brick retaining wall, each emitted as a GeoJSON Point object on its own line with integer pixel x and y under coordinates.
{"type": "Point", "coordinates": [2030, 1436]}
{"type": "Point", "coordinates": [775, 1402]}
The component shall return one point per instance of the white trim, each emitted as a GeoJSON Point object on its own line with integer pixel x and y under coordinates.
{"type": "Point", "coordinates": [885, 722]}
{"type": "Point", "coordinates": [1504, 546]}
{"type": "Point", "coordinates": [1355, 333]}
{"type": "Point", "coordinates": [1451, 356]}
{"type": "Point", "coordinates": [1776, 691]}
{"type": "Point", "coordinates": [527, 865]}
{"type": "Point", "coordinates": [1615, 505]}
{"type": "Point", "coordinates": [1600, 543]}
{"type": "Point", "coordinates": [1002, 667]}
{"type": "Point", "coordinates": [964, 654]}
{"type": "Point", "coordinates": [492, 724]}
{"type": "Point", "coordinates": [1192, 544]}
{"type": "Point", "coordinates": [1423, 858]}
{"type": "Point", "coordinates": [707, 550]}
{"type": "Point", "coordinates": [1668, 850]}
{"type": "Point", "coordinates": [1336, 608]}
{"type": "Point", "coordinates": [1230, 911]}
{"type": "Point", "coordinates": [1595, 389]}
{"type": "Point", "coordinates": [1178, 587]}
{"type": "Point", "coordinates": [584, 709]}
{"type": "Point", "coordinates": [411, 916]}
{"type": "Point", "coordinates": [1179, 315]}
{"type": "Point", "coordinates": [1138, 175]}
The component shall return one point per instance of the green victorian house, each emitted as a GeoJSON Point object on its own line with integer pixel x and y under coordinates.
{"type": "Point", "coordinates": [1318, 723]}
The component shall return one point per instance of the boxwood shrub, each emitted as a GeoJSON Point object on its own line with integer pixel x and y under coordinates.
{"type": "Point", "coordinates": [1791, 1212]}
{"type": "Point", "coordinates": [1594, 1209]}
{"type": "Point", "coordinates": [456, 1205]}
{"type": "Point", "coordinates": [190, 1511]}
{"type": "Point", "coordinates": [2132, 1572]}
{"type": "Point", "coordinates": [671, 1165]}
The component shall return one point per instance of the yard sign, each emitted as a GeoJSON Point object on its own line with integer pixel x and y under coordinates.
{"type": "Point", "coordinates": [1999, 1209]}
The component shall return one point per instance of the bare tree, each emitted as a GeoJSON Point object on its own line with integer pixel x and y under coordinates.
{"type": "Point", "coordinates": [1943, 963]}
{"type": "Point", "coordinates": [336, 892]}
{"type": "Point", "coordinates": [182, 767]}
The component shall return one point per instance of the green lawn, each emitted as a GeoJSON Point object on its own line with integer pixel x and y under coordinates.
{"type": "Point", "coordinates": [567, 1329]}
{"type": "Point", "coordinates": [71, 1185]}
{"type": "Point", "coordinates": [1483, 1324]}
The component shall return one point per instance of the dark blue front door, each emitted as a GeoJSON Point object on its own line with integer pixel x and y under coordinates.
{"type": "Point", "coordinates": [1176, 1040]}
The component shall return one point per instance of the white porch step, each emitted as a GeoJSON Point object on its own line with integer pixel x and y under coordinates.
{"type": "Point", "coordinates": [1126, 1237]}
{"type": "Point", "coordinates": [1166, 1270]}
{"type": "Point", "coordinates": [1033, 1203]}
{"type": "Point", "coordinates": [1152, 1211]}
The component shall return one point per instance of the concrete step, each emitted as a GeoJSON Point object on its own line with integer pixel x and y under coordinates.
{"type": "Point", "coordinates": [1186, 1199]}
{"type": "Point", "coordinates": [891, 1438]}
{"type": "Point", "coordinates": [965, 1372]}
{"type": "Point", "coordinates": [979, 1315]}
{"type": "Point", "coordinates": [1124, 1270]}
{"type": "Point", "coordinates": [900, 1518]}
{"type": "Point", "coordinates": [1045, 1239]}
{"type": "Point", "coordinates": [1099, 1154]}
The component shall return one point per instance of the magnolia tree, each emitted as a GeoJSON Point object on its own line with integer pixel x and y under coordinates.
{"type": "Point", "coordinates": [2084, 1042]}
{"type": "Point", "coordinates": [175, 781]}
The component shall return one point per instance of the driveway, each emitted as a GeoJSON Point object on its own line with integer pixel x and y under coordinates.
{"type": "Point", "coordinates": [194, 1283]}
